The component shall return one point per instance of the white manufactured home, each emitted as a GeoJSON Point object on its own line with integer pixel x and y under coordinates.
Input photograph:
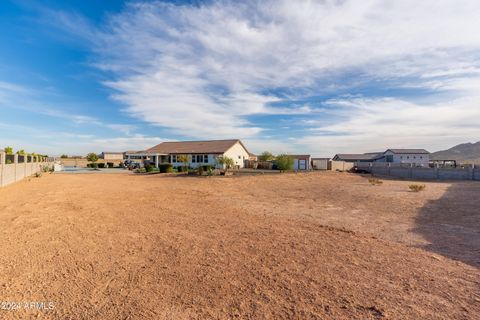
{"type": "Point", "coordinates": [198, 152]}
{"type": "Point", "coordinates": [416, 157]}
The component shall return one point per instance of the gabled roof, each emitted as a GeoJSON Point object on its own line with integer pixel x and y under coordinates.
{"type": "Point", "coordinates": [186, 147]}
{"type": "Point", "coordinates": [296, 156]}
{"type": "Point", "coordinates": [409, 151]}
{"type": "Point", "coordinates": [358, 156]}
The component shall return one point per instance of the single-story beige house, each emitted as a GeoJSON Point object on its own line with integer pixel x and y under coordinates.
{"type": "Point", "coordinates": [198, 152]}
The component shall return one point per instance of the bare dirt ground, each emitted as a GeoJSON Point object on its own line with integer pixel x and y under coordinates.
{"type": "Point", "coordinates": [306, 246]}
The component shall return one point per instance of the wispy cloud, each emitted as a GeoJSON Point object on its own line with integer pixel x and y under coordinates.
{"type": "Point", "coordinates": [205, 71]}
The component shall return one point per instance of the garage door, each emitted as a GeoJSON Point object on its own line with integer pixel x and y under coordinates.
{"type": "Point", "coordinates": [302, 164]}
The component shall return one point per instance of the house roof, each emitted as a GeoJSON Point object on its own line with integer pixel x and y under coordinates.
{"type": "Point", "coordinates": [358, 156]}
{"type": "Point", "coordinates": [296, 156]}
{"type": "Point", "coordinates": [409, 151]}
{"type": "Point", "coordinates": [185, 147]}
{"type": "Point", "coordinates": [108, 152]}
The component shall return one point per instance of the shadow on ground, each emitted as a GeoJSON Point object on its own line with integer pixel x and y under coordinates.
{"type": "Point", "coordinates": [452, 223]}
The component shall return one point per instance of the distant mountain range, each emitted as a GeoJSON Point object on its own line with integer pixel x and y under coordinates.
{"type": "Point", "coordinates": [465, 152]}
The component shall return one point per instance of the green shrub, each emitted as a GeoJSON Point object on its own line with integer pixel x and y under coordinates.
{"type": "Point", "coordinates": [211, 171]}
{"type": "Point", "coordinates": [417, 187]}
{"type": "Point", "coordinates": [110, 164]}
{"type": "Point", "coordinates": [92, 157]}
{"type": "Point", "coordinates": [38, 174]}
{"type": "Point", "coordinates": [165, 167]}
{"type": "Point", "coordinates": [150, 168]}
{"type": "Point", "coordinates": [8, 150]}
{"type": "Point", "coordinates": [266, 156]}
{"type": "Point", "coordinates": [284, 162]}
{"type": "Point", "coordinates": [101, 165]}
{"type": "Point", "coordinates": [141, 170]}
{"type": "Point", "coordinates": [8, 161]}
{"type": "Point", "coordinates": [92, 165]}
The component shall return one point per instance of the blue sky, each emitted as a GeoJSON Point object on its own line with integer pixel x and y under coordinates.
{"type": "Point", "coordinates": [319, 77]}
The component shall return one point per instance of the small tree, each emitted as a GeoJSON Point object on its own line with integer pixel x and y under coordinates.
{"type": "Point", "coordinates": [9, 150]}
{"type": "Point", "coordinates": [183, 158]}
{"type": "Point", "coordinates": [266, 156]}
{"type": "Point", "coordinates": [225, 161]}
{"type": "Point", "coordinates": [92, 157]}
{"type": "Point", "coordinates": [64, 156]}
{"type": "Point", "coordinates": [284, 162]}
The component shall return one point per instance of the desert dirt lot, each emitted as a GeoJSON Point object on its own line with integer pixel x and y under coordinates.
{"type": "Point", "coordinates": [292, 246]}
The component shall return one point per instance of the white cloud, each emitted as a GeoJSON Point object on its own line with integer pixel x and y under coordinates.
{"type": "Point", "coordinates": [202, 70]}
{"type": "Point", "coordinates": [370, 125]}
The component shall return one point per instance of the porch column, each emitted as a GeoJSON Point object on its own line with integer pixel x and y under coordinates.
{"type": "Point", "coordinates": [156, 161]}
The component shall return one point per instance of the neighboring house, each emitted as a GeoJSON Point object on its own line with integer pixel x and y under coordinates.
{"type": "Point", "coordinates": [411, 156]}
{"type": "Point", "coordinates": [320, 163]}
{"type": "Point", "coordinates": [136, 155]}
{"type": "Point", "coordinates": [252, 157]}
{"type": "Point", "coordinates": [111, 155]}
{"type": "Point", "coordinates": [301, 161]}
{"type": "Point", "coordinates": [198, 152]}
{"type": "Point", "coordinates": [367, 157]}
{"type": "Point", "coordinates": [419, 157]}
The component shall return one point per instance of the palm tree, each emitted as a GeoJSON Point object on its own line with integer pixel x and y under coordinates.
{"type": "Point", "coordinates": [226, 162]}
{"type": "Point", "coordinates": [183, 158]}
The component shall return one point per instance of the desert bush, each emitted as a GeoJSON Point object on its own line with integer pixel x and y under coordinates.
{"type": "Point", "coordinates": [417, 187]}
{"type": "Point", "coordinates": [165, 167]}
{"type": "Point", "coordinates": [284, 162]}
{"type": "Point", "coordinates": [92, 165]}
{"type": "Point", "coordinates": [38, 174]}
{"type": "Point", "coordinates": [375, 182]}
{"type": "Point", "coordinates": [266, 156]}
{"type": "Point", "coordinates": [150, 168]}
{"type": "Point", "coordinates": [140, 170]}
{"type": "Point", "coordinates": [211, 171]}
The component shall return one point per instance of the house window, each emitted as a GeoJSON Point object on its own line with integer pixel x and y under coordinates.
{"type": "Point", "coordinates": [239, 157]}
{"type": "Point", "coordinates": [199, 158]}
{"type": "Point", "coordinates": [408, 157]}
{"type": "Point", "coordinates": [174, 158]}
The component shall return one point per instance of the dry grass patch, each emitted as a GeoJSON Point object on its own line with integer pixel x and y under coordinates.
{"type": "Point", "coordinates": [417, 187]}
